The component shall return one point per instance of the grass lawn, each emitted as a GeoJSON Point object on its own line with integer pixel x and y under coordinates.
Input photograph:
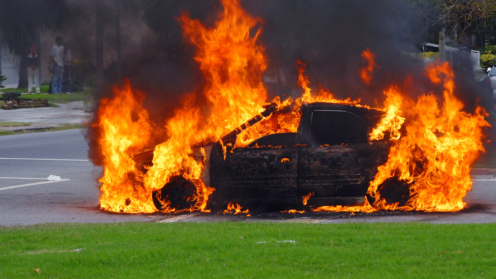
{"type": "Point", "coordinates": [248, 250]}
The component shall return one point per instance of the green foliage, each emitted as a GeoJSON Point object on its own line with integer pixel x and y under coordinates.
{"type": "Point", "coordinates": [2, 78]}
{"type": "Point", "coordinates": [487, 60]}
{"type": "Point", "coordinates": [490, 49]}
{"type": "Point", "coordinates": [429, 54]}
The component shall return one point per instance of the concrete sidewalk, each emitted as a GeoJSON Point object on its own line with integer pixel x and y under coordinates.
{"type": "Point", "coordinates": [47, 117]}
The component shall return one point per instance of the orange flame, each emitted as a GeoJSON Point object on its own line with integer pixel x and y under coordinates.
{"type": "Point", "coordinates": [435, 156]}
{"type": "Point", "coordinates": [235, 209]}
{"type": "Point", "coordinates": [307, 197]}
{"type": "Point", "coordinates": [366, 71]}
{"type": "Point", "coordinates": [293, 211]}
{"type": "Point", "coordinates": [125, 127]}
{"type": "Point", "coordinates": [391, 122]}
{"type": "Point", "coordinates": [233, 64]}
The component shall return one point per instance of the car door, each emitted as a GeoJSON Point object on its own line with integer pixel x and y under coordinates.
{"type": "Point", "coordinates": [256, 173]}
{"type": "Point", "coordinates": [330, 163]}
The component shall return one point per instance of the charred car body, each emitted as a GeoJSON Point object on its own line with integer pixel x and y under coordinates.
{"type": "Point", "coordinates": [330, 156]}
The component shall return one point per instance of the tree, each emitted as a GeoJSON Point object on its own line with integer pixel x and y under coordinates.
{"type": "Point", "coordinates": [21, 22]}
{"type": "Point", "coordinates": [460, 18]}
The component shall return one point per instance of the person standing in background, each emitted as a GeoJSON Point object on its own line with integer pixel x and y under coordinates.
{"type": "Point", "coordinates": [67, 69]}
{"type": "Point", "coordinates": [57, 58]}
{"type": "Point", "coordinates": [33, 70]}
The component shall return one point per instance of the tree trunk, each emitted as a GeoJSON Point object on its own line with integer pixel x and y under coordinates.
{"type": "Point", "coordinates": [99, 41]}
{"type": "Point", "coordinates": [23, 73]}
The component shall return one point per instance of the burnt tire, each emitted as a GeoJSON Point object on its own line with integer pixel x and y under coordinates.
{"type": "Point", "coordinates": [179, 191]}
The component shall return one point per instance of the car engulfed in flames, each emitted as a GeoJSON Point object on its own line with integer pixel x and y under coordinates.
{"type": "Point", "coordinates": [314, 152]}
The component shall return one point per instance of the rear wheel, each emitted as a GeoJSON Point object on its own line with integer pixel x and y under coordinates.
{"type": "Point", "coordinates": [179, 191]}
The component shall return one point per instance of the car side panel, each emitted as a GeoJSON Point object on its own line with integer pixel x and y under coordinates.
{"type": "Point", "coordinates": [340, 170]}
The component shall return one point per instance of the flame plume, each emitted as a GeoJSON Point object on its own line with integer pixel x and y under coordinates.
{"type": "Point", "coordinates": [233, 64]}
{"type": "Point", "coordinates": [126, 130]}
{"type": "Point", "coordinates": [435, 156]}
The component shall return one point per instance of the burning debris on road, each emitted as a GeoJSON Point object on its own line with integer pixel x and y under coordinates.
{"type": "Point", "coordinates": [408, 154]}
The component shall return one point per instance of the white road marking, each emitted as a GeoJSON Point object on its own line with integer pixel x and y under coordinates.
{"type": "Point", "coordinates": [483, 179]}
{"type": "Point", "coordinates": [31, 184]}
{"type": "Point", "coordinates": [179, 218]}
{"type": "Point", "coordinates": [43, 159]}
{"type": "Point", "coordinates": [23, 178]}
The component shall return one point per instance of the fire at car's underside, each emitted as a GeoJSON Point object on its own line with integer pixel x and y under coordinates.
{"type": "Point", "coordinates": [409, 154]}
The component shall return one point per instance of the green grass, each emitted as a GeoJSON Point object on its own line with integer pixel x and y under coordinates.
{"type": "Point", "coordinates": [13, 124]}
{"type": "Point", "coordinates": [230, 250]}
{"type": "Point", "coordinates": [61, 127]}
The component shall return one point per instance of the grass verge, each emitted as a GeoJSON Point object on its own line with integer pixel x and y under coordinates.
{"type": "Point", "coordinates": [13, 124]}
{"type": "Point", "coordinates": [61, 127]}
{"type": "Point", "coordinates": [56, 98]}
{"type": "Point", "coordinates": [248, 250]}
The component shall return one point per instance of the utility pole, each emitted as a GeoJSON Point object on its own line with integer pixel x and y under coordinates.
{"type": "Point", "coordinates": [99, 41]}
{"type": "Point", "coordinates": [442, 42]}
{"type": "Point", "coordinates": [118, 35]}
{"type": "Point", "coordinates": [1, 46]}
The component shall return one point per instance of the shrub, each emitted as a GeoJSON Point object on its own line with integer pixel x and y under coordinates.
{"type": "Point", "coordinates": [487, 60]}
{"type": "Point", "coordinates": [2, 78]}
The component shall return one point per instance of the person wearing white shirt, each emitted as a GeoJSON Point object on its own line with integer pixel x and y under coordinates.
{"type": "Point", "coordinates": [57, 58]}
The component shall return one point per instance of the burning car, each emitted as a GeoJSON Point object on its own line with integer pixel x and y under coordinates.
{"type": "Point", "coordinates": [330, 155]}
{"type": "Point", "coordinates": [410, 153]}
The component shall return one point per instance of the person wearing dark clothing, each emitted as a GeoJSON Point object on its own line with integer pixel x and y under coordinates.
{"type": "Point", "coordinates": [33, 70]}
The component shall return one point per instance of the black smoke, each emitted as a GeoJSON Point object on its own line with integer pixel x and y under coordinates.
{"type": "Point", "coordinates": [328, 36]}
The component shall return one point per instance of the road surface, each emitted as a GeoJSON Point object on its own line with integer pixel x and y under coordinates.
{"type": "Point", "coordinates": [27, 198]}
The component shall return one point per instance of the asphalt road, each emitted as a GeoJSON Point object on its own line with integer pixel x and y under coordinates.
{"type": "Point", "coordinates": [27, 198]}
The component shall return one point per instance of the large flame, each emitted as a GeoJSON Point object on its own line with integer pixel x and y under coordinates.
{"type": "Point", "coordinates": [432, 147]}
{"type": "Point", "coordinates": [233, 64]}
{"type": "Point", "coordinates": [434, 157]}
{"type": "Point", "coordinates": [126, 129]}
